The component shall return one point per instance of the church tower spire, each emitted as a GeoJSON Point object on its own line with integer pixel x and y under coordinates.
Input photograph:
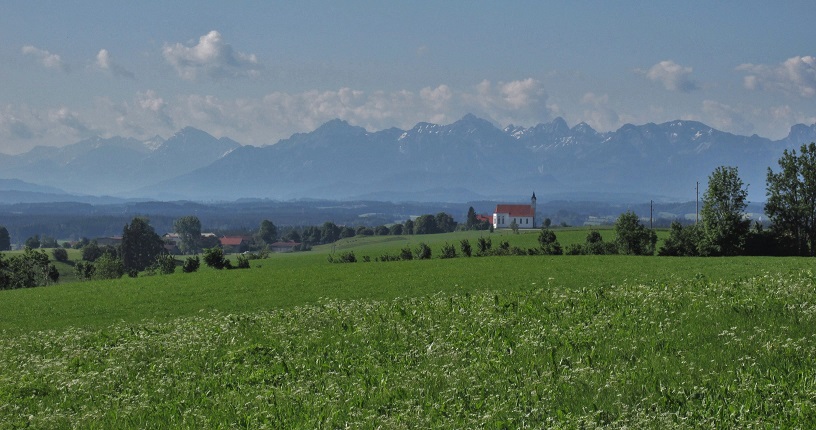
{"type": "Point", "coordinates": [533, 206]}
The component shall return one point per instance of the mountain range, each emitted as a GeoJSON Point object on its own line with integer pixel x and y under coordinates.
{"type": "Point", "coordinates": [470, 159]}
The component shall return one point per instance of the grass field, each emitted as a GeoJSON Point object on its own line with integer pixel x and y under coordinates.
{"type": "Point", "coordinates": [491, 342]}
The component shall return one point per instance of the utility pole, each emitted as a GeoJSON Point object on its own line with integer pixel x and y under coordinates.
{"type": "Point", "coordinates": [651, 214]}
{"type": "Point", "coordinates": [697, 214]}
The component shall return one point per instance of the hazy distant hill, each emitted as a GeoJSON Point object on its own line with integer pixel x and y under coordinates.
{"type": "Point", "coordinates": [470, 159]}
{"type": "Point", "coordinates": [115, 165]}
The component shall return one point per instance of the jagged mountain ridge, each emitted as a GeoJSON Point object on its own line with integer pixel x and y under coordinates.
{"type": "Point", "coordinates": [455, 162]}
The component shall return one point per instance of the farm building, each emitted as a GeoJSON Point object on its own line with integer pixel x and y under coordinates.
{"type": "Point", "coordinates": [522, 215]}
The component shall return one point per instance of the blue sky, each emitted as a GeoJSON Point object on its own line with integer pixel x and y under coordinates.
{"type": "Point", "coordinates": [261, 71]}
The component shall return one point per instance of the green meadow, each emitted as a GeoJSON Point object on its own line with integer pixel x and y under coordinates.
{"type": "Point", "coordinates": [481, 342]}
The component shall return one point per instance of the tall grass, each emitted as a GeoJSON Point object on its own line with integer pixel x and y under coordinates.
{"type": "Point", "coordinates": [677, 353]}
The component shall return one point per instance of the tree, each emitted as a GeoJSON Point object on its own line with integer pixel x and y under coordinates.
{"type": "Point", "coordinates": [396, 230]}
{"type": "Point", "coordinates": [514, 226]}
{"type": "Point", "coordinates": [549, 243]}
{"type": "Point", "coordinates": [267, 232]}
{"type": "Point", "coordinates": [33, 242]}
{"type": "Point", "coordinates": [140, 245]}
{"type": "Point", "coordinates": [60, 254]}
{"type": "Point", "coordinates": [381, 230]}
{"type": "Point", "coordinates": [445, 223]}
{"type": "Point", "coordinates": [191, 264]}
{"type": "Point", "coordinates": [791, 203]}
{"type": "Point", "coordinates": [464, 245]}
{"type": "Point", "coordinates": [682, 241]}
{"type": "Point", "coordinates": [91, 251]}
{"type": "Point", "coordinates": [724, 229]}
{"type": "Point", "coordinates": [189, 230]}
{"type": "Point", "coordinates": [409, 226]}
{"type": "Point", "coordinates": [632, 237]}
{"type": "Point", "coordinates": [26, 270]}
{"type": "Point", "coordinates": [330, 232]}
{"type": "Point", "coordinates": [108, 267]}
{"type": "Point", "coordinates": [472, 221]}
{"type": "Point", "coordinates": [5, 239]}
{"type": "Point", "coordinates": [214, 257]}
{"type": "Point", "coordinates": [425, 224]}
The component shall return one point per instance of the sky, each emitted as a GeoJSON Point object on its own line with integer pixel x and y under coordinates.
{"type": "Point", "coordinates": [259, 71]}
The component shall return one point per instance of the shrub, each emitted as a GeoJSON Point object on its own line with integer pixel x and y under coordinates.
{"type": "Point", "coordinates": [406, 254]}
{"type": "Point", "coordinates": [108, 267]}
{"type": "Point", "coordinates": [448, 251]}
{"type": "Point", "coordinates": [60, 254]}
{"type": "Point", "coordinates": [549, 243]}
{"type": "Point", "coordinates": [422, 252]}
{"type": "Point", "coordinates": [343, 257]}
{"type": "Point", "coordinates": [483, 245]}
{"type": "Point", "coordinates": [84, 271]}
{"type": "Point", "coordinates": [165, 264]}
{"type": "Point", "coordinates": [214, 257]}
{"type": "Point", "coordinates": [191, 264]}
{"type": "Point", "coordinates": [464, 245]}
{"type": "Point", "coordinates": [243, 262]}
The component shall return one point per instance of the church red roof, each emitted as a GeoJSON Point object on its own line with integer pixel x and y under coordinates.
{"type": "Point", "coordinates": [515, 210]}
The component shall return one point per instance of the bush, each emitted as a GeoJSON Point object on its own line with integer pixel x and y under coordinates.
{"type": "Point", "coordinates": [214, 257]}
{"type": "Point", "coordinates": [60, 254]}
{"type": "Point", "coordinates": [483, 246]}
{"type": "Point", "coordinates": [549, 243]}
{"type": "Point", "coordinates": [464, 245]}
{"type": "Point", "coordinates": [448, 251]}
{"type": "Point", "coordinates": [191, 264]}
{"type": "Point", "coordinates": [406, 254]}
{"type": "Point", "coordinates": [243, 262]}
{"type": "Point", "coordinates": [165, 264]}
{"type": "Point", "coordinates": [343, 257]}
{"type": "Point", "coordinates": [108, 267]}
{"type": "Point", "coordinates": [91, 252]}
{"type": "Point", "coordinates": [422, 252]}
{"type": "Point", "coordinates": [84, 271]}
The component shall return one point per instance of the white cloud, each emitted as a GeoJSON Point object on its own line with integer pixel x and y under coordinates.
{"type": "Point", "coordinates": [522, 101]}
{"type": "Point", "coordinates": [47, 59]}
{"type": "Point", "coordinates": [735, 119]}
{"type": "Point", "coordinates": [212, 57]}
{"type": "Point", "coordinates": [672, 76]}
{"type": "Point", "coordinates": [598, 114]}
{"type": "Point", "coordinates": [796, 75]}
{"type": "Point", "coordinates": [104, 62]}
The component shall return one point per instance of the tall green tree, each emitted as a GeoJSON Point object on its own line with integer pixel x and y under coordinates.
{"type": "Point", "coordinates": [5, 239]}
{"type": "Point", "coordinates": [472, 221]}
{"type": "Point", "coordinates": [724, 202]}
{"type": "Point", "coordinates": [189, 230]}
{"type": "Point", "coordinates": [425, 224]}
{"type": "Point", "coordinates": [632, 237]}
{"type": "Point", "coordinates": [445, 223]}
{"type": "Point", "coordinates": [267, 232]}
{"type": "Point", "coordinates": [140, 245]}
{"type": "Point", "coordinates": [791, 203]}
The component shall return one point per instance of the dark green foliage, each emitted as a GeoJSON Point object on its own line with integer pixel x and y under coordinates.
{"type": "Point", "coordinates": [343, 257]}
{"type": "Point", "coordinates": [33, 242]}
{"type": "Point", "coordinates": [547, 222]}
{"type": "Point", "coordinates": [422, 251]}
{"type": "Point", "coordinates": [243, 262]}
{"type": "Point", "coordinates": [791, 203]}
{"type": "Point", "coordinates": [448, 251]}
{"type": "Point", "coordinates": [108, 267]}
{"type": "Point", "coordinates": [406, 254]}
{"type": "Point", "coordinates": [48, 242]}
{"type": "Point", "coordinates": [381, 230]}
{"type": "Point", "coordinates": [682, 241]}
{"type": "Point", "coordinates": [724, 202]}
{"type": "Point", "coordinates": [191, 264]}
{"type": "Point", "coordinates": [165, 264]}
{"type": "Point", "coordinates": [81, 243]}
{"type": "Point", "coordinates": [425, 224]}
{"type": "Point", "coordinates": [632, 237]}
{"type": "Point", "coordinates": [548, 242]}
{"type": "Point", "coordinates": [483, 246]}
{"type": "Point", "coordinates": [267, 232]}
{"type": "Point", "coordinates": [346, 232]}
{"type": "Point", "coordinates": [26, 270]}
{"type": "Point", "coordinates": [471, 222]}
{"type": "Point", "coordinates": [5, 239]}
{"type": "Point", "coordinates": [467, 250]}
{"type": "Point", "coordinates": [214, 257]}
{"type": "Point", "coordinates": [409, 227]}
{"type": "Point", "coordinates": [396, 229]}
{"type": "Point", "coordinates": [330, 232]}
{"type": "Point", "coordinates": [60, 254]}
{"type": "Point", "coordinates": [189, 231]}
{"type": "Point", "coordinates": [140, 245]}
{"type": "Point", "coordinates": [445, 223]}
{"type": "Point", "coordinates": [514, 226]}
{"type": "Point", "coordinates": [84, 271]}
{"type": "Point", "coordinates": [91, 251]}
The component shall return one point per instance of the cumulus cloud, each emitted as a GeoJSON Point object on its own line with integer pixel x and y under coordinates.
{"type": "Point", "coordinates": [521, 101]}
{"type": "Point", "coordinates": [672, 76]}
{"type": "Point", "coordinates": [212, 57]}
{"type": "Point", "coordinates": [47, 59]}
{"type": "Point", "coordinates": [104, 62]}
{"type": "Point", "coordinates": [598, 114]}
{"type": "Point", "coordinates": [726, 117]}
{"type": "Point", "coordinates": [796, 75]}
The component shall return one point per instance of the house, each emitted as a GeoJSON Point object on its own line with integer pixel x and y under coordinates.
{"type": "Point", "coordinates": [235, 243]}
{"type": "Point", "coordinates": [283, 246]}
{"type": "Point", "coordinates": [522, 215]}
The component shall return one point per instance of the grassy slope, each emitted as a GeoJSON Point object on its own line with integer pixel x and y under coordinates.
{"type": "Point", "coordinates": [295, 279]}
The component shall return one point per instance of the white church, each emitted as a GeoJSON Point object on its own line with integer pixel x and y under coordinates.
{"type": "Point", "coordinates": [523, 215]}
